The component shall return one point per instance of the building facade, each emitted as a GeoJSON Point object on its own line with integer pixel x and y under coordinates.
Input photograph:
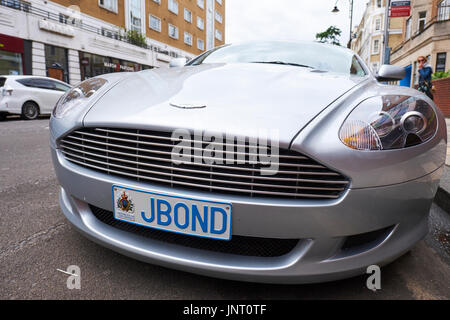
{"type": "Point", "coordinates": [426, 33]}
{"type": "Point", "coordinates": [368, 39]}
{"type": "Point", "coordinates": [74, 40]}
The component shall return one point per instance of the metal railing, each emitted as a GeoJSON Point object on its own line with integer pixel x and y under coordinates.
{"type": "Point", "coordinates": [78, 23]}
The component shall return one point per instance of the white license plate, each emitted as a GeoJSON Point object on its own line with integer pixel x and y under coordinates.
{"type": "Point", "coordinates": [187, 216]}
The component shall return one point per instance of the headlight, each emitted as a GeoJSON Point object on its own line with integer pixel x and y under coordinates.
{"type": "Point", "coordinates": [78, 95]}
{"type": "Point", "coordinates": [389, 122]}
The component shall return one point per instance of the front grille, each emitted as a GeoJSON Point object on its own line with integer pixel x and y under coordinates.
{"type": "Point", "coordinates": [143, 155]}
{"type": "Point", "coordinates": [238, 245]}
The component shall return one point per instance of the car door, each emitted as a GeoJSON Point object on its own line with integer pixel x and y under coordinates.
{"type": "Point", "coordinates": [48, 94]}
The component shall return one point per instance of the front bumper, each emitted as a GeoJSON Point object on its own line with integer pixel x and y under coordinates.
{"type": "Point", "coordinates": [322, 226]}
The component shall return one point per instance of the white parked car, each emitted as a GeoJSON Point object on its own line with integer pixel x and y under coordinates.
{"type": "Point", "coordinates": [29, 96]}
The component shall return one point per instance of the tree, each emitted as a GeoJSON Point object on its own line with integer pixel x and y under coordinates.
{"type": "Point", "coordinates": [331, 35]}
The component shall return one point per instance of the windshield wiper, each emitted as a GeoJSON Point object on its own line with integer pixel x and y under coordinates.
{"type": "Point", "coordinates": [284, 63]}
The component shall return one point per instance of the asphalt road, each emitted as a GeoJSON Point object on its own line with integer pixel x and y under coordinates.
{"type": "Point", "coordinates": [35, 240]}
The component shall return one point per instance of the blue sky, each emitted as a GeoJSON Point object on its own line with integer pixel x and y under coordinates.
{"type": "Point", "coordinates": [288, 19]}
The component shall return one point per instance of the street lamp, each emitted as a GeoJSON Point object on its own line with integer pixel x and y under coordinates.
{"type": "Point", "coordinates": [336, 10]}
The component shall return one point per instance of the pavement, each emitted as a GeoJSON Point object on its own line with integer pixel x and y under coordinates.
{"type": "Point", "coordinates": [36, 240]}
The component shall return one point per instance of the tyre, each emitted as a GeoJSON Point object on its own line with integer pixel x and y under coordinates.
{"type": "Point", "coordinates": [30, 110]}
{"type": "Point", "coordinates": [2, 116]}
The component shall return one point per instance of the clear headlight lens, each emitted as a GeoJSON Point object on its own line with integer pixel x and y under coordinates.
{"type": "Point", "coordinates": [389, 122]}
{"type": "Point", "coordinates": [78, 95]}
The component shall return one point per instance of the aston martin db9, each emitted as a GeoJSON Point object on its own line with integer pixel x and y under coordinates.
{"type": "Point", "coordinates": [277, 162]}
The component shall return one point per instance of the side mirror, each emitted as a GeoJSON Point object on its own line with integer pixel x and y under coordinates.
{"type": "Point", "coordinates": [391, 73]}
{"type": "Point", "coordinates": [178, 63]}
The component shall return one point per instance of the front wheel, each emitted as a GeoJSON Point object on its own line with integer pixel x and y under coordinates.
{"type": "Point", "coordinates": [2, 116]}
{"type": "Point", "coordinates": [30, 111]}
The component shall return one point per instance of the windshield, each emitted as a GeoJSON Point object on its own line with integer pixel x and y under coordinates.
{"type": "Point", "coordinates": [309, 55]}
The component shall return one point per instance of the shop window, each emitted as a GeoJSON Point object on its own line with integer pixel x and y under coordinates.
{"type": "Point", "coordinates": [10, 63]}
{"type": "Point", "coordinates": [56, 61]}
{"type": "Point", "coordinates": [92, 65]}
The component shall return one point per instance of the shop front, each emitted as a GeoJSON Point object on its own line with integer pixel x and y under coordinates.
{"type": "Point", "coordinates": [92, 65]}
{"type": "Point", "coordinates": [56, 63]}
{"type": "Point", "coordinates": [11, 55]}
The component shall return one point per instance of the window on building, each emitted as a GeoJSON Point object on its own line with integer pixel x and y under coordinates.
{"type": "Point", "coordinates": [379, 3]}
{"type": "Point", "coordinates": [441, 60]}
{"type": "Point", "coordinates": [443, 10]}
{"type": "Point", "coordinates": [173, 6]}
{"type": "Point", "coordinates": [10, 63]}
{"type": "Point", "coordinates": [155, 23]}
{"type": "Point", "coordinates": [173, 31]}
{"type": "Point", "coordinates": [218, 35]}
{"type": "Point", "coordinates": [188, 38]}
{"type": "Point", "coordinates": [375, 67]}
{"type": "Point", "coordinates": [187, 15]}
{"type": "Point", "coordinates": [408, 29]}
{"type": "Point", "coordinates": [201, 3]}
{"type": "Point", "coordinates": [110, 5]}
{"type": "Point", "coordinates": [422, 21]}
{"type": "Point", "coordinates": [157, 1]}
{"type": "Point", "coordinates": [200, 44]}
{"type": "Point", "coordinates": [136, 15]}
{"type": "Point", "coordinates": [219, 2]}
{"type": "Point", "coordinates": [218, 17]}
{"type": "Point", "coordinates": [200, 23]}
{"type": "Point", "coordinates": [56, 62]}
{"type": "Point", "coordinates": [377, 24]}
{"type": "Point", "coordinates": [63, 18]}
{"type": "Point", "coordinates": [376, 46]}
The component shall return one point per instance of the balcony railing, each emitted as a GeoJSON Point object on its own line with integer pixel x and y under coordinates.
{"type": "Point", "coordinates": [78, 23]}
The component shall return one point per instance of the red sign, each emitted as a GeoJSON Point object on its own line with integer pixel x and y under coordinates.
{"type": "Point", "coordinates": [11, 44]}
{"type": "Point", "coordinates": [400, 8]}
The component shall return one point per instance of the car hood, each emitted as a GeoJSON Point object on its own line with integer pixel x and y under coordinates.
{"type": "Point", "coordinates": [228, 98]}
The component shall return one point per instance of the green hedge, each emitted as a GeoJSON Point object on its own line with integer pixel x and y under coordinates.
{"type": "Point", "coordinates": [441, 75]}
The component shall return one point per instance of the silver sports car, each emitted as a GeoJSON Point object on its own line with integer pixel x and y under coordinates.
{"type": "Point", "coordinates": [278, 162]}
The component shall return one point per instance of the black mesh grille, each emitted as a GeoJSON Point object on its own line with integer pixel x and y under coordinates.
{"type": "Point", "coordinates": [238, 245]}
{"type": "Point", "coordinates": [143, 155]}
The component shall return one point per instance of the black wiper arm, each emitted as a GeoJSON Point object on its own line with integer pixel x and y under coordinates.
{"type": "Point", "coordinates": [284, 63]}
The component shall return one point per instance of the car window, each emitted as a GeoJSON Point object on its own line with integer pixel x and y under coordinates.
{"type": "Point", "coordinates": [44, 84]}
{"type": "Point", "coordinates": [2, 81]}
{"type": "Point", "coordinates": [61, 86]}
{"type": "Point", "coordinates": [314, 55]}
{"type": "Point", "coordinates": [25, 81]}
{"type": "Point", "coordinates": [356, 68]}
{"type": "Point", "coordinates": [37, 83]}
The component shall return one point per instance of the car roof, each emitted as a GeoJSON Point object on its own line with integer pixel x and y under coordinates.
{"type": "Point", "coordinates": [27, 77]}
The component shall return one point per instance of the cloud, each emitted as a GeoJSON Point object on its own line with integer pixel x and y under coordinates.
{"type": "Point", "coordinates": [287, 19]}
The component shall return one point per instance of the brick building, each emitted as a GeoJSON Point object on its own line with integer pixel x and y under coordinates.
{"type": "Point", "coordinates": [85, 38]}
{"type": "Point", "coordinates": [425, 33]}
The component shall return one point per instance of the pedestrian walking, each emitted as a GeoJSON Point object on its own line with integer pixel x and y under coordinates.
{"type": "Point", "coordinates": [425, 73]}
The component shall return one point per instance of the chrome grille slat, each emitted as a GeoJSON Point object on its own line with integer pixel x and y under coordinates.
{"type": "Point", "coordinates": [188, 148]}
{"type": "Point", "coordinates": [168, 138]}
{"type": "Point", "coordinates": [221, 181]}
{"type": "Point", "coordinates": [167, 153]}
{"type": "Point", "coordinates": [207, 187]}
{"type": "Point", "coordinates": [146, 156]}
{"type": "Point", "coordinates": [193, 164]}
